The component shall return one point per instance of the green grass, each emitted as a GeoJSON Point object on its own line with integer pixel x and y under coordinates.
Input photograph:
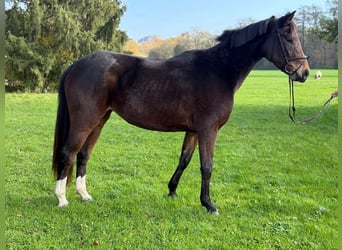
{"type": "Point", "coordinates": [274, 183]}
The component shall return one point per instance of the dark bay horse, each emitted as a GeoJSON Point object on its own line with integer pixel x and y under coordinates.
{"type": "Point", "coordinates": [191, 92]}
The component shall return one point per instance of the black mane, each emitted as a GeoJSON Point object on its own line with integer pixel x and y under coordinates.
{"type": "Point", "coordinates": [239, 37]}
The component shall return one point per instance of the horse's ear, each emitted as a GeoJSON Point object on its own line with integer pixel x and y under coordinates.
{"type": "Point", "coordinates": [290, 16]}
{"type": "Point", "coordinates": [283, 21]}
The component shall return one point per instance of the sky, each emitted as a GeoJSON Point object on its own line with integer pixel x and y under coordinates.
{"type": "Point", "coordinates": [170, 18]}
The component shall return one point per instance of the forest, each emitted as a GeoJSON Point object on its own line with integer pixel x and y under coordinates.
{"type": "Point", "coordinates": [43, 37]}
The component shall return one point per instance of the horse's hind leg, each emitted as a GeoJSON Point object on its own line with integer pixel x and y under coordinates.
{"type": "Point", "coordinates": [189, 145]}
{"type": "Point", "coordinates": [82, 124]}
{"type": "Point", "coordinates": [83, 157]}
{"type": "Point", "coordinates": [66, 161]}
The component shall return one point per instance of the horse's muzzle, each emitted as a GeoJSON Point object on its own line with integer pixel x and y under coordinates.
{"type": "Point", "coordinates": [300, 75]}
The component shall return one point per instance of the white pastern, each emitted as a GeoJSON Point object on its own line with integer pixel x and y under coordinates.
{"type": "Point", "coordinates": [216, 213]}
{"type": "Point", "coordinates": [81, 188]}
{"type": "Point", "coordinates": [60, 192]}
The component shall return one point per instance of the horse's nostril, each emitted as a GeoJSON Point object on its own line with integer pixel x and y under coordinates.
{"type": "Point", "coordinates": [306, 73]}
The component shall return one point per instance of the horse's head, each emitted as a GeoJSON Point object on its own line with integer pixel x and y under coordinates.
{"type": "Point", "coordinates": [284, 49]}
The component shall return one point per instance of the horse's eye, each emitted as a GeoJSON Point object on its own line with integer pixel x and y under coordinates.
{"type": "Point", "coordinates": [288, 37]}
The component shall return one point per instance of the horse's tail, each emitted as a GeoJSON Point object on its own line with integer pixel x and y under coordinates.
{"type": "Point", "coordinates": [61, 129]}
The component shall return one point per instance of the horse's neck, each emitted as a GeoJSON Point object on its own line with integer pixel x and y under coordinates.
{"type": "Point", "coordinates": [234, 64]}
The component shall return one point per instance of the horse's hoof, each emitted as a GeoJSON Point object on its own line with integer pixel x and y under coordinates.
{"type": "Point", "coordinates": [63, 204]}
{"type": "Point", "coordinates": [216, 213]}
{"type": "Point", "coordinates": [88, 199]}
{"type": "Point", "coordinates": [172, 194]}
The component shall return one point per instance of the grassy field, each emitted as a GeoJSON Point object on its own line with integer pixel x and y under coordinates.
{"type": "Point", "coordinates": [274, 183]}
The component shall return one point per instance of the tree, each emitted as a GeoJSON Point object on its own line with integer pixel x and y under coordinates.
{"type": "Point", "coordinates": [197, 39]}
{"type": "Point", "coordinates": [319, 36]}
{"type": "Point", "coordinates": [131, 47]}
{"type": "Point", "coordinates": [43, 37]}
{"type": "Point", "coordinates": [165, 50]}
{"type": "Point", "coordinates": [328, 24]}
{"type": "Point", "coordinates": [150, 43]}
{"type": "Point", "coordinates": [245, 21]}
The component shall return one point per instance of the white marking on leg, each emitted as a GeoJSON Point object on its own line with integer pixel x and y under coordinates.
{"type": "Point", "coordinates": [60, 192]}
{"type": "Point", "coordinates": [216, 213]}
{"type": "Point", "coordinates": [81, 188]}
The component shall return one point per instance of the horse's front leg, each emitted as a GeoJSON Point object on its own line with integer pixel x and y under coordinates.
{"type": "Point", "coordinates": [206, 142]}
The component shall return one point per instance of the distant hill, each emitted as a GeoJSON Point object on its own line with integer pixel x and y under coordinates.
{"type": "Point", "coordinates": [148, 38]}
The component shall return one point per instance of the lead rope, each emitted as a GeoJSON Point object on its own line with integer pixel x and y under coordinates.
{"type": "Point", "coordinates": [292, 109]}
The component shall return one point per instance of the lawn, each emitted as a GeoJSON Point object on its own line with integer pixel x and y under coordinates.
{"type": "Point", "coordinates": [274, 182]}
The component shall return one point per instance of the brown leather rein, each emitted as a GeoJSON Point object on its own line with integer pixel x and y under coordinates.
{"type": "Point", "coordinates": [292, 109]}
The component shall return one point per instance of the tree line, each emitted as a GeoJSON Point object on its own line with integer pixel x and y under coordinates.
{"type": "Point", "coordinates": [43, 37]}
